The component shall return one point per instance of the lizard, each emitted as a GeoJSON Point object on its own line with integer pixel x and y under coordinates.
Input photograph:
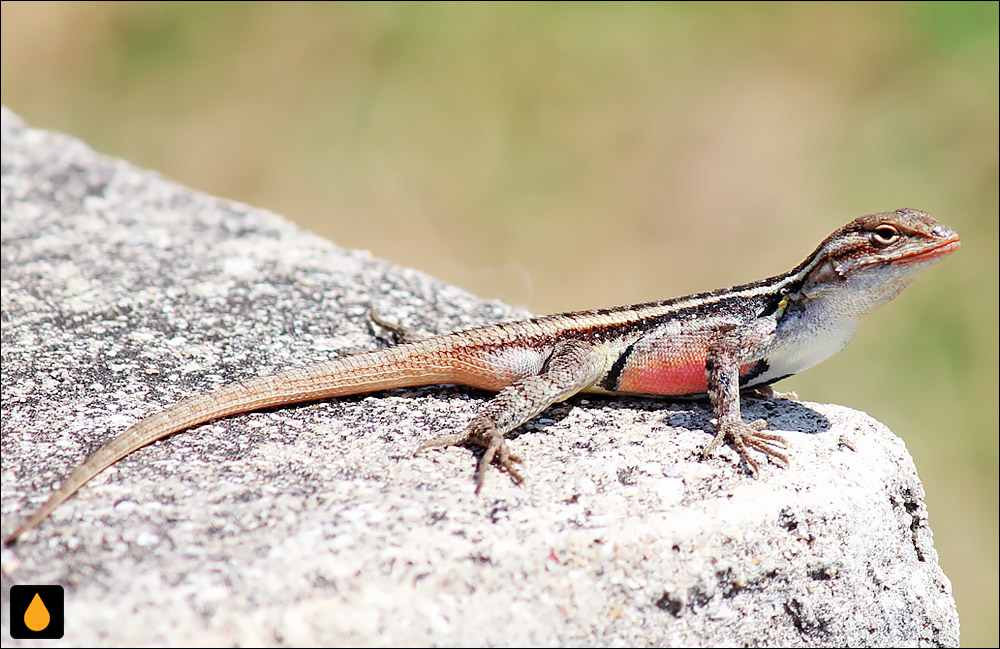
{"type": "Point", "coordinates": [716, 343]}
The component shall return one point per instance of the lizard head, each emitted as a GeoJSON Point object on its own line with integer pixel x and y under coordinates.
{"type": "Point", "coordinates": [873, 258]}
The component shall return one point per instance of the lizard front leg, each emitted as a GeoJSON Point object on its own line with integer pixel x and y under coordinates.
{"type": "Point", "coordinates": [727, 352]}
{"type": "Point", "coordinates": [570, 368]}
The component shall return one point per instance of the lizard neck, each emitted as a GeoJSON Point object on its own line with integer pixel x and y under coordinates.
{"type": "Point", "coordinates": [855, 270]}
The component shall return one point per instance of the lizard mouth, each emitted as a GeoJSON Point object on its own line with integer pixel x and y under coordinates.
{"type": "Point", "coordinates": [946, 247]}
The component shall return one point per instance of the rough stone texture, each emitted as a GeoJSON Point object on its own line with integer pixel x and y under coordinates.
{"type": "Point", "coordinates": [123, 292]}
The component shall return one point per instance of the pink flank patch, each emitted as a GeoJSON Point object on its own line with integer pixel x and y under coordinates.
{"type": "Point", "coordinates": [661, 372]}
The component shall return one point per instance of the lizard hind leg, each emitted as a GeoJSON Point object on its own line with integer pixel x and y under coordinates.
{"type": "Point", "coordinates": [571, 367]}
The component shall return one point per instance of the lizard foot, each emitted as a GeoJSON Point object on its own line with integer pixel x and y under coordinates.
{"type": "Point", "coordinates": [495, 450]}
{"type": "Point", "coordinates": [402, 334]}
{"type": "Point", "coordinates": [770, 392]}
{"type": "Point", "coordinates": [750, 436]}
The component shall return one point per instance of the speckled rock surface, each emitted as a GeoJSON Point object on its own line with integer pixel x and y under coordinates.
{"type": "Point", "coordinates": [123, 293]}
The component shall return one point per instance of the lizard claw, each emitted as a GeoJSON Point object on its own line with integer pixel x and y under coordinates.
{"type": "Point", "coordinates": [498, 451]}
{"type": "Point", "coordinates": [453, 439]}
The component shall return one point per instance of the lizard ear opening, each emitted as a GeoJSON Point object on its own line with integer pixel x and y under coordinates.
{"type": "Point", "coordinates": [824, 276]}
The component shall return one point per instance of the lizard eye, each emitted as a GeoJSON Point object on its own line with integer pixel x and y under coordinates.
{"type": "Point", "coordinates": [884, 236]}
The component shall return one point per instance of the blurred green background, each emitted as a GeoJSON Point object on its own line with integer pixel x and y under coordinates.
{"type": "Point", "coordinates": [569, 156]}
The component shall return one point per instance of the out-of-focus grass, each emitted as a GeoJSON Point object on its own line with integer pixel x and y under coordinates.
{"type": "Point", "coordinates": [569, 156]}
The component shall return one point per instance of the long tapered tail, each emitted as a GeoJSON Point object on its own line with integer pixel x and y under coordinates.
{"type": "Point", "coordinates": [420, 363]}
